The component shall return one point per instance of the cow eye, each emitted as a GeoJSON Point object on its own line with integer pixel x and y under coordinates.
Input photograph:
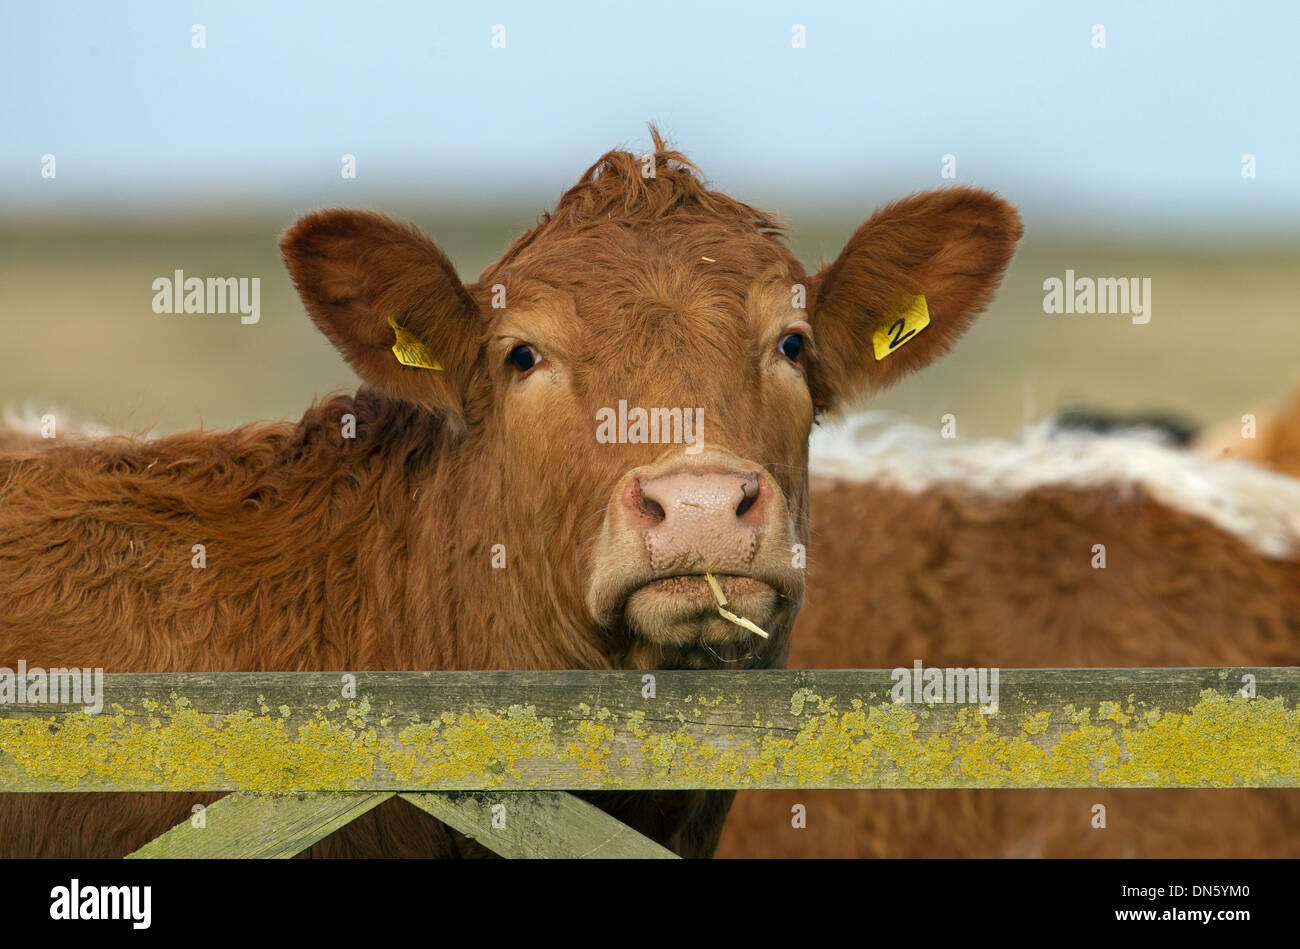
{"type": "Point", "coordinates": [524, 357]}
{"type": "Point", "coordinates": [791, 345]}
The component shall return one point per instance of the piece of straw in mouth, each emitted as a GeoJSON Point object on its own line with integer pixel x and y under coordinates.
{"type": "Point", "coordinates": [727, 614]}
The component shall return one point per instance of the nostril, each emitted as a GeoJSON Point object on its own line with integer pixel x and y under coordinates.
{"type": "Point", "coordinates": [639, 502]}
{"type": "Point", "coordinates": [749, 490]}
{"type": "Point", "coordinates": [651, 509]}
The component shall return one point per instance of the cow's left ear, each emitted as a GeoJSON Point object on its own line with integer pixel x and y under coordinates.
{"type": "Point", "coordinates": [389, 300]}
{"type": "Point", "coordinates": [935, 256]}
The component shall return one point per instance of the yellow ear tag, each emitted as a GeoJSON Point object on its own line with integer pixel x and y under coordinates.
{"type": "Point", "coordinates": [907, 324]}
{"type": "Point", "coordinates": [410, 351]}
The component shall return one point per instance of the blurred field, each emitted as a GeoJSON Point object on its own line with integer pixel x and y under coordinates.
{"type": "Point", "coordinates": [79, 335]}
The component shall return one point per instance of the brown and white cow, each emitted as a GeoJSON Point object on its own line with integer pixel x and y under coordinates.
{"type": "Point", "coordinates": [984, 553]}
{"type": "Point", "coordinates": [376, 552]}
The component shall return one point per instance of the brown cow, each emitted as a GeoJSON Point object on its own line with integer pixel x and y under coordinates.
{"type": "Point", "coordinates": [1268, 436]}
{"type": "Point", "coordinates": [983, 554]}
{"type": "Point", "coordinates": [375, 552]}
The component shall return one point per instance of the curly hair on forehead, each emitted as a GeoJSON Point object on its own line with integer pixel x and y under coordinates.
{"type": "Point", "coordinates": [619, 186]}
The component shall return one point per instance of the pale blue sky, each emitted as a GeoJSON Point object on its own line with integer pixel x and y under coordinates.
{"type": "Point", "coordinates": [1146, 133]}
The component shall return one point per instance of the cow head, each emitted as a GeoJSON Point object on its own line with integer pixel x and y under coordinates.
{"type": "Point", "coordinates": [633, 385]}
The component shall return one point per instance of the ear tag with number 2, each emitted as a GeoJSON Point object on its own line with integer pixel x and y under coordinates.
{"type": "Point", "coordinates": [890, 336]}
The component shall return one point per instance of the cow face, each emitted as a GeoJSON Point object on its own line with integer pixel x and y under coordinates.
{"type": "Point", "coordinates": [634, 383]}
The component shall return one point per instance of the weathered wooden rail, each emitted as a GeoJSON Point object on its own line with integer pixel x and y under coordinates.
{"type": "Point", "coordinates": [308, 752]}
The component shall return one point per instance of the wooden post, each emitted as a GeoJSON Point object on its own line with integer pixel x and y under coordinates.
{"type": "Point", "coordinates": [306, 757]}
{"type": "Point", "coordinates": [549, 731]}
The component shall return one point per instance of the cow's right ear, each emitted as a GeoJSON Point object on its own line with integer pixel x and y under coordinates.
{"type": "Point", "coordinates": [370, 284]}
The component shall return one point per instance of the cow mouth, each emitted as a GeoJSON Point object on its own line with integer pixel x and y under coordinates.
{"type": "Point", "coordinates": [693, 587]}
{"type": "Point", "coordinates": [681, 609]}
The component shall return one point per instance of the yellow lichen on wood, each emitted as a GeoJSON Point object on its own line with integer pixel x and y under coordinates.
{"type": "Point", "coordinates": [1223, 740]}
{"type": "Point", "coordinates": [479, 749]}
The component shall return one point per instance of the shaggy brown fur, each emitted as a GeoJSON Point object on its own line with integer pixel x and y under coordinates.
{"type": "Point", "coordinates": [958, 581]}
{"type": "Point", "coordinates": [324, 552]}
